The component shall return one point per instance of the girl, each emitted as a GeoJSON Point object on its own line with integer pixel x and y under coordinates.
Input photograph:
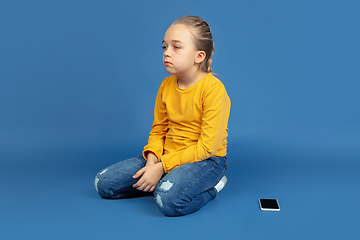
{"type": "Point", "coordinates": [184, 162]}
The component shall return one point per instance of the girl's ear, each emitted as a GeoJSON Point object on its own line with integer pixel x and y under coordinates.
{"type": "Point", "coordinates": [200, 56]}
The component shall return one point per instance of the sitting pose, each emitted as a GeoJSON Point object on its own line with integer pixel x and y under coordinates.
{"type": "Point", "coordinates": [184, 162]}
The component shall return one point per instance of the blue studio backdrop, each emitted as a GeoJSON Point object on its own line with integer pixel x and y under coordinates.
{"type": "Point", "coordinates": [78, 81]}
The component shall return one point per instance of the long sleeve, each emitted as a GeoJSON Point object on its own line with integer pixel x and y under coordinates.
{"type": "Point", "coordinates": [159, 128]}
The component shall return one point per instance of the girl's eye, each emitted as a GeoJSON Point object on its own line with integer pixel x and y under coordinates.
{"type": "Point", "coordinates": [176, 47]}
{"type": "Point", "coordinates": [164, 47]}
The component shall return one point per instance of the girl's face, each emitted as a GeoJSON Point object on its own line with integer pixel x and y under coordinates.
{"type": "Point", "coordinates": [180, 53]}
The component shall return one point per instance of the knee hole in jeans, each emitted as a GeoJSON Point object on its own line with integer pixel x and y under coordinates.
{"type": "Point", "coordinates": [97, 179]}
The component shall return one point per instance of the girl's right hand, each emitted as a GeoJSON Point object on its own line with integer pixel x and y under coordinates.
{"type": "Point", "coordinates": [150, 177]}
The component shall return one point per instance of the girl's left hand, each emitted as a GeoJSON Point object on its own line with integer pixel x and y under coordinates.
{"type": "Point", "coordinates": [151, 176]}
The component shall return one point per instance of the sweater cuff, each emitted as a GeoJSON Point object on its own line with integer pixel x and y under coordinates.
{"type": "Point", "coordinates": [146, 151]}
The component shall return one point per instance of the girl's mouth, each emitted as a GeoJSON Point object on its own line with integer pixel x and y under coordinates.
{"type": "Point", "coordinates": [167, 63]}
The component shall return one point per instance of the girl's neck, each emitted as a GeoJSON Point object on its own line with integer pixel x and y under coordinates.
{"type": "Point", "coordinates": [187, 81]}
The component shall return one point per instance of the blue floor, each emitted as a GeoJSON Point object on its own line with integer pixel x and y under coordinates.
{"type": "Point", "coordinates": [78, 81]}
{"type": "Point", "coordinates": [50, 195]}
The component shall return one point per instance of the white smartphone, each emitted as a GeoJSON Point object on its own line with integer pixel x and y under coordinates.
{"type": "Point", "coordinates": [269, 205]}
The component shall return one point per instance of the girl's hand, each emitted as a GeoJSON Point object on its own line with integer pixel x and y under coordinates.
{"type": "Point", "coordinates": [151, 175]}
{"type": "Point", "coordinates": [151, 159]}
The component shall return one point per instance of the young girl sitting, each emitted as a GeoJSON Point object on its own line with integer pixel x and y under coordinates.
{"type": "Point", "coordinates": [184, 162]}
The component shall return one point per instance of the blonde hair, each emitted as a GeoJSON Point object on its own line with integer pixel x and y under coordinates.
{"type": "Point", "coordinates": [202, 38]}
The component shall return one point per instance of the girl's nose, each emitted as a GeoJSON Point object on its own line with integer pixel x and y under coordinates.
{"type": "Point", "coordinates": [166, 53]}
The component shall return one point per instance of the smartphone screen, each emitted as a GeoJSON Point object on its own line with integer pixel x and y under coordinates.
{"type": "Point", "coordinates": [269, 205]}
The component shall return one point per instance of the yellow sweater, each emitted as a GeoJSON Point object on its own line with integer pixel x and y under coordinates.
{"type": "Point", "coordinates": [190, 125]}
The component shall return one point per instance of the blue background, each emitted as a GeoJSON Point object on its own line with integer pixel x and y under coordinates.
{"type": "Point", "coordinates": [78, 81]}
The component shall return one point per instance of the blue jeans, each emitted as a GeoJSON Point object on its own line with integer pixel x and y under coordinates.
{"type": "Point", "coordinates": [182, 191]}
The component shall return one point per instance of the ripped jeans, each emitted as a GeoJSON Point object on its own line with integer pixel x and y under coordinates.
{"type": "Point", "coordinates": [182, 191]}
